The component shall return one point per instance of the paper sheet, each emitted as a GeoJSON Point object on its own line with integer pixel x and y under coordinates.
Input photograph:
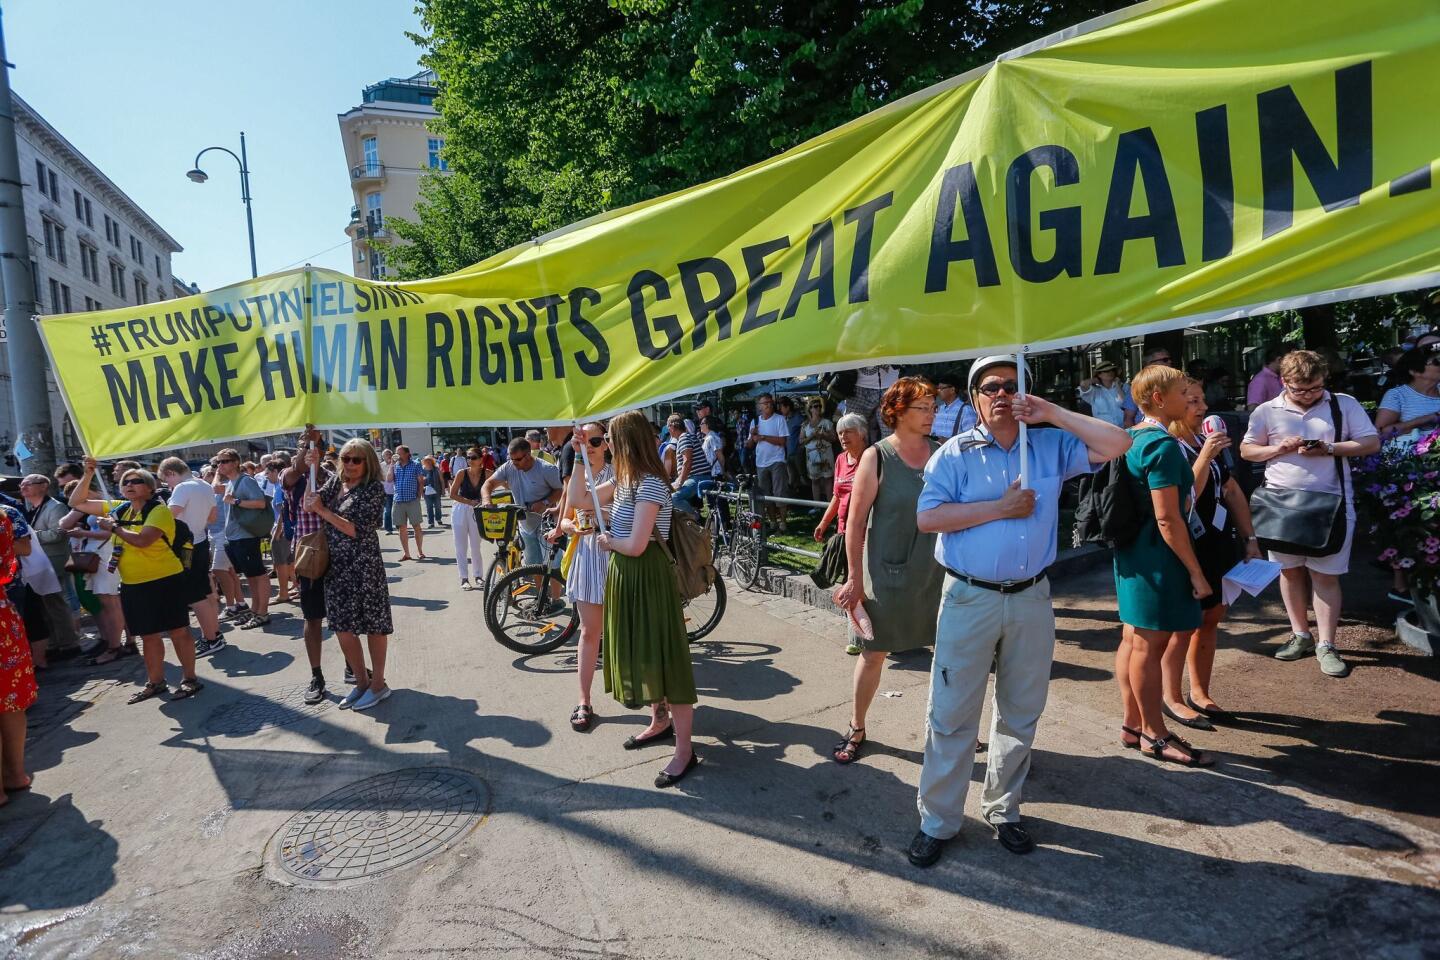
{"type": "Point", "coordinates": [1249, 576]}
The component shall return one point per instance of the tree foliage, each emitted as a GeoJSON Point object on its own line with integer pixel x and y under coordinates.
{"type": "Point", "coordinates": [554, 110]}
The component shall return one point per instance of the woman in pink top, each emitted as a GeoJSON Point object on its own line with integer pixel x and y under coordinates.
{"type": "Point", "coordinates": [854, 438]}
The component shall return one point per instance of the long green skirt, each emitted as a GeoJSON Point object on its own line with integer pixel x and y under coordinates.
{"type": "Point", "coordinates": [647, 655]}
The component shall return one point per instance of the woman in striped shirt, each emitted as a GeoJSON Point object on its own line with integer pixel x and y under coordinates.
{"type": "Point", "coordinates": [647, 654]}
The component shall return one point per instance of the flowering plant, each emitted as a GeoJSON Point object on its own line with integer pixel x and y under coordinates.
{"type": "Point", "coordinates": [1399, 491]}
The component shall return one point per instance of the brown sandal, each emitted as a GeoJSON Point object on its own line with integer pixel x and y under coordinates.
{"type": "Point", "coordinates": [147, 692]}
{"type": "Point", "coordinates": [1192, 758]}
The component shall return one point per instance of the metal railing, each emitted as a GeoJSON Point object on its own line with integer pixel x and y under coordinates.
{"type": "Point", "coordinates": [368, 171]}
{"type": "Point", "coordinates": [759, 499]}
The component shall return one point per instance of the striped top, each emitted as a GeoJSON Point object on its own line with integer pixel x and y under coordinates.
{"type": "Point", "coordinates": [651, 490]}
{"type": "Point", "coordinates": [1409, 403]}
{"type": "Point", "coordinates": [699, 459]}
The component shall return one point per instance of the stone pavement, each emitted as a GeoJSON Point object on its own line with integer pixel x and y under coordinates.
{"type": "Point", "coordinates": [163, 829]}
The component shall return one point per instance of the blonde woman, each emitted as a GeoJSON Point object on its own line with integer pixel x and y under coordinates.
{"type": "Point", "coordinates": [647, 655]}
{"type": "Point", "coordinates": [357, 598]}
{"type": "Point", "coordinates": [590, 566]}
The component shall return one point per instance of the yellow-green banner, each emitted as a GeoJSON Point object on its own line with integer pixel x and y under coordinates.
{"type": "Point", "coordinates": [1180, 162]}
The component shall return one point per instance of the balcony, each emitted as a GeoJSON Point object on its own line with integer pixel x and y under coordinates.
{"type": "Point", "coordinates": [367, 173]}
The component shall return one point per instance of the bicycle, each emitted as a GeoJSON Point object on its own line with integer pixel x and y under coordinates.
{"type": "Point", "coordinates": [747, 537]}
{"type": "Point", "coordinates": [500, 525]}
{"type": "Point", "coordinates": [524, 609]}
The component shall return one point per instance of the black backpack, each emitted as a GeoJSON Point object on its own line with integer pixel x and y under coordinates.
{"type": "Point", "coordinates": [1111, 510]}
{"type": "Point", "coordinates": [183, 546]}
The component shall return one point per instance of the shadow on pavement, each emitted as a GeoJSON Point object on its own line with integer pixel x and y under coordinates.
{"type": "Point", "coordinates": [77, 855]}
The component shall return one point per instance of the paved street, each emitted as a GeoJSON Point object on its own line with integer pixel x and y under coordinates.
{"type": "Point", "coordinates": [161, 830]}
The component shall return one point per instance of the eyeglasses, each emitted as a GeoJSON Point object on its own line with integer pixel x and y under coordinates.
{"type": "Point", "coordinates": [993, 387]}
{"type": "Point", "coordinates": [474, 456]}
{"type": "Point", "coordinates": [923, 407]}
{"type": "Point", "coordinates": [131, 481]}
{"type": "Point", "coordinates": [1302, 391]}
{"type": "Point", "coordinates": [596, 441]}
{"type": "Point", "coordinates": [227, 460]}
{"type": "Point", "coordinates": [352, 459]}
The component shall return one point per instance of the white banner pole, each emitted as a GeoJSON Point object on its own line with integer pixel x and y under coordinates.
{"type": "Point", "coordinates": [1024, 444]}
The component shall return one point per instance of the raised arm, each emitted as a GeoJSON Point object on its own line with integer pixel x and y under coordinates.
{"type": "Point", "coordinates": [1105, 441]}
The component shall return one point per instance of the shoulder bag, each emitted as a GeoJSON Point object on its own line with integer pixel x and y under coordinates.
{"type": "Point", "coordinates": [1305, 523]}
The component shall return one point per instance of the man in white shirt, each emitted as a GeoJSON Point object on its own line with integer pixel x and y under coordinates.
{"type": "Point", "coordinates": [193, 501]}
{"type": "Point", "coordinates": [1294, 435]}
{"type": "Point", "coordinates": [1109, 399]}
{"type": "Point", "coordinates": [952, 414]}
{"type": "Point", "coordinates": [768, 437]}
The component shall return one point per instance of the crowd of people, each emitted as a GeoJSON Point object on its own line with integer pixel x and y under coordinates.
{"type": "Point", "coordinates": [939, 542]}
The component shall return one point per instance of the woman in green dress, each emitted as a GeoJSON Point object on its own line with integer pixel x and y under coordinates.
{"type": "Point", "coordinates": [894, 579]}
{"type": "Point", "coordinates": [1158, 578]}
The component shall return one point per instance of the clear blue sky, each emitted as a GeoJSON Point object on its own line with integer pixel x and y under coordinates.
{"type": "Point", "coordinates": [140, 87]}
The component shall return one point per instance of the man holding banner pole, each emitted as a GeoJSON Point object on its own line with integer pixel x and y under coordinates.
{"type": "Point", "coordinates": [993, 495]}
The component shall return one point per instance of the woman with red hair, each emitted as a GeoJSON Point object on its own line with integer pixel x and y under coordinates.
{"type": "Point", "coordinates": [893, 579]}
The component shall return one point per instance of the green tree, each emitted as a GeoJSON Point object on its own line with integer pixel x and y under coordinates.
{"type": "Point", "coordinates": [554, 110]}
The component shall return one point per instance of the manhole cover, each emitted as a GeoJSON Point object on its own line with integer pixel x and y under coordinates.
{"type": "Point", "coordinates": [254, 712]}
{"type": "Point", "coordinates": [380, 824]}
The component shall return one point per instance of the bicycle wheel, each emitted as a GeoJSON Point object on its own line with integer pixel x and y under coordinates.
{"type": "Point", "coordinates": [745, 552]}
{"type": "Point", "coordinates": [503, 563]}
{"type": "Point", "coordinates": [703, 613]}
{"type": "Point", "coordinates": [521, 615]}
{"type": "Point", "coordinates": [719, 544]}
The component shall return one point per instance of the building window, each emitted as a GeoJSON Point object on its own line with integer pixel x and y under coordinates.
{"type": "Point", "coordinates": [112, 230]}
{"type": "Point", "coordinates": [359, 254]}
{"type": "Point", "coordinates": [79, 207]}
{"type": "Point", "coordinates": [89, 214]}
{"type": "Point", "coordinates": [46, 180]}
{"type": "Point", "coordinates": [159, 271]}
{"type": "Point", "coordinates": [83, 211]}
{"type": "Point", "coordinates": [137, 250]}
{"type": "Point", "coordinates": [89, 262]}
{"type": "Point", "coordinates": [59, 297]}
{"type": "Point", "coordinates": [34, 279]}
{"type": "Point", "coordinates": [375, 220]}
{"type": "Point", "coordinates": [117, 279]}
{"type": "Point", "coordinates": [142, 289]}
{"type": "Point", "coordinates": [371, 149]}
{"type": "Point", "coordinates": [91, 305]}
{"type": "Point", "coordinates": [435, 145]}
{"type": "Point", "coordinates": [54, 240]}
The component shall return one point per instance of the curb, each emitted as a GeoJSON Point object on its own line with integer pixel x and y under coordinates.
{"type": "Point", "coordinates": [799, 586]}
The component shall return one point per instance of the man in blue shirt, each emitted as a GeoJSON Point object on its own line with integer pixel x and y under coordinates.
{"type": "Point", "coordinates": [409, 477]}
{"type": "Point", "coordinates": [995, 542]}
{"type": "Point", "coordinates": [952, 414]}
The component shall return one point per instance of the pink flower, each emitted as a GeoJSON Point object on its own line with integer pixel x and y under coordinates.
{"type": "Point", "coordinates": [1389, 553]}
{"type": "Point", "coordinates": [1432, 544]}
{"type": "Point", "coordinates": [1432, 558]}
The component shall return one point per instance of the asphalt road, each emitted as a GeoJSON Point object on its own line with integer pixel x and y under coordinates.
{"type": "Point", "coordinates": [161, 830]}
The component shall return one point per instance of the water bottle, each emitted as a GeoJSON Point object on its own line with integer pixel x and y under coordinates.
{"type": "Point", "coordinates": [1213, 424]}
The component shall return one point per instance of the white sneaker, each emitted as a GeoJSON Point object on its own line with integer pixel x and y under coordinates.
{"type": "Point", "coordinates": [350, 699]}
{"type": "Point", "coordinates": [465, 585]}
{"type": "Point", "coordinates": [371, 698]}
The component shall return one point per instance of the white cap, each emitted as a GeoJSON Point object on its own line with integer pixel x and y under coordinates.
{"type": "Point", "coordinates": [985, 363]}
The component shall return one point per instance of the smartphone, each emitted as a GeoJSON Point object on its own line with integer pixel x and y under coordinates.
{"type": "Point", "coordinates": [1311, 444]}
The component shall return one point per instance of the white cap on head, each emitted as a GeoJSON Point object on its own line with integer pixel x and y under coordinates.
{"type": "Point", "coordinates": [985, 363]}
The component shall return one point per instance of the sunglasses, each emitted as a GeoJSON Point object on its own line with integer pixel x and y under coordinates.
{"type": "Point", "coordinates": [227, 460]}
{"type": "Point", "coordinates": [994, 387]}
{"type": "Point", "coordinates": [131, 481]}
{"type": "Point", "coordinates": [352, 459]}
{"type": "Point", "coordinates": [475, 457]}
{"type": "Point", "coordinates": [596, 441]}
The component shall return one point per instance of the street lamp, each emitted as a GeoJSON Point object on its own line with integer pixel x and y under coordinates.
{"type": "Point", "coordinates": [200, 176]}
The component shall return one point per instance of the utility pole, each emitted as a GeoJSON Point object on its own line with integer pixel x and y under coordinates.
{"type": "Point", "coordinates": [24, 354]}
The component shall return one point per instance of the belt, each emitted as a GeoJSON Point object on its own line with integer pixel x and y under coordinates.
{"type": "Point", "coordinates": [1007, 586]}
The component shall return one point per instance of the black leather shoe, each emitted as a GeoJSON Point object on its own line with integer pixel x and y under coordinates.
{"type": "Point", "coordinates": [663, 779]}
{"type": "Point", "coordinates": [1201, 722]}
{"type": "Point", "coordinates": [635, 743]}
{"type": "Point", "coordinates": [1014, 837]}
{"type": "Point", "coordinates": [924, 849]}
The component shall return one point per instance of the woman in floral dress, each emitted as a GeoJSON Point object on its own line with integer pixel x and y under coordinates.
{"type": "Point", "coordinates": [357, 597]}
{"type": "Point", "coordinates": [17, 672]}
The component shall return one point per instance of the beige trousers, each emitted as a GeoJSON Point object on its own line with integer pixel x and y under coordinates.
{"type": "Point", "coordinates": [977, 628]}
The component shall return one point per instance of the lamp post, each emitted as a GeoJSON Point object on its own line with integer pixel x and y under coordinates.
{"type": "Point", "coordinates": [199, 176]}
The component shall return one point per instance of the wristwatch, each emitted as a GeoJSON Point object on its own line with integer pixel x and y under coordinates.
{"type": "Point", "coordinates": [1252, 539]}
{"type": "Point", "coordinates": [1330, 449]}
